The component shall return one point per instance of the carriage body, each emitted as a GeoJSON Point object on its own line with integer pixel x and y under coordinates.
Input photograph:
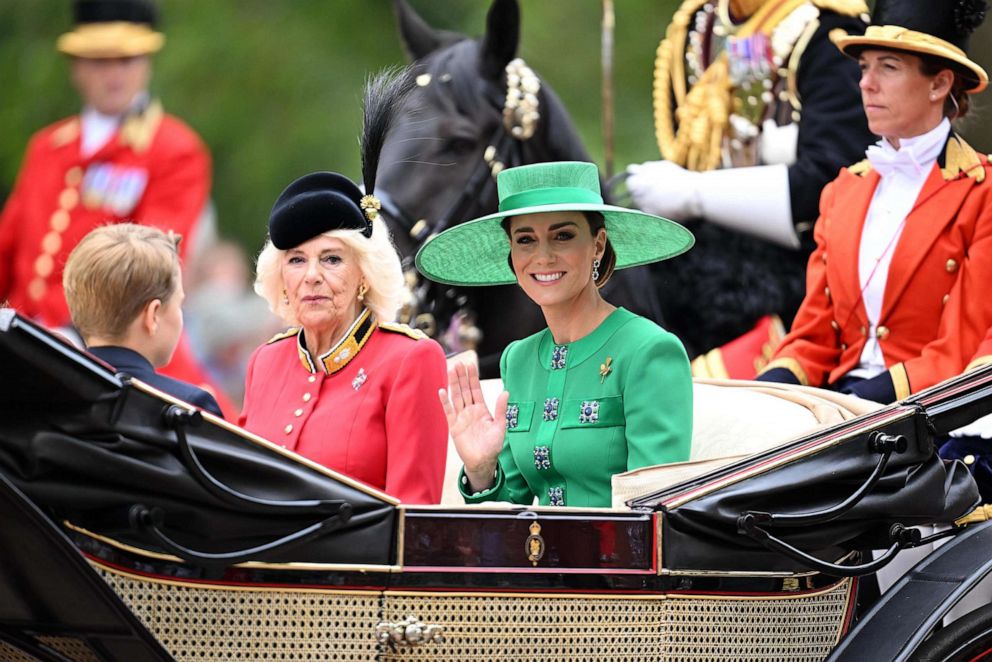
{"type": "Point", "coordinates": [209, 543]}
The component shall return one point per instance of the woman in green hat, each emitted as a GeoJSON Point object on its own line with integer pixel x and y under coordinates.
{"type": "Point", "coordinates": [601, 390]}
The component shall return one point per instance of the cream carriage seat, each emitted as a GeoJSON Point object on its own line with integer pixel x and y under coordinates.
{"type": "Point", "coordinates": [731, 419]}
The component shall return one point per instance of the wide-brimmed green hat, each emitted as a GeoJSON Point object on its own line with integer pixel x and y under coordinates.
{"type": "Point", "coordinates": [475, 252]}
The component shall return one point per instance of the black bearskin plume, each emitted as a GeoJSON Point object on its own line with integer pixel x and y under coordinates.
{"type": "Point", "coordinates": [969, 14]}
{"type": "Point", "coordinates": [385, 94]}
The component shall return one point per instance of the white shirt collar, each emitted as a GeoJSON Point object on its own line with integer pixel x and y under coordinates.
{"type": "Point", "coordinates": [98, 128]}
{"type": "Point", "coordinates": [924, 148]}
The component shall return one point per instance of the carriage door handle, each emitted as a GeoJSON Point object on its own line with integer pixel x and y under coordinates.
{"type": "Point", "coordinates": [878, 442]}
{"type": "Point", "coordinates": [408, 633]}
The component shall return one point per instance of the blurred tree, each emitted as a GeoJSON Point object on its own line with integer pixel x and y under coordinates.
{"type": "Point", "coordinates": [273, 86]}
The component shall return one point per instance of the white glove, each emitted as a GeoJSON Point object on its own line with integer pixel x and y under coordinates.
{"type": "Point", "coordinates": [753, 201]}
{"type": "Point", "coordinates": [980, 428]}
{"type": "Point", "coordinates": [665, 189]}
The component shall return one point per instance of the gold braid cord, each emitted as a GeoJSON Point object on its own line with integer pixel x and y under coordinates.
{"type": "Point", "coordinates": [690, 125]}
{"type": "Point", "coordinates": [843, 7]}
{"type": "Point", "coordinates": [669, 78]}
{"type": "Point", "coordinates": [703, 119]}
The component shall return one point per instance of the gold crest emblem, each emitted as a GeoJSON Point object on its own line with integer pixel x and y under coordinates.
{"type": "Point", "coordinates": [534, 547]}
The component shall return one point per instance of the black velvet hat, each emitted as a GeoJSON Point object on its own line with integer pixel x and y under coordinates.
{"type": "Point", "coordinates": [314, 204]}
{"type": "Point", "coordinates": [325, 201]}
{"type": "Point", "coordinates": [939, 28]}
{"type": "Point", "coordinates": [112, 28]}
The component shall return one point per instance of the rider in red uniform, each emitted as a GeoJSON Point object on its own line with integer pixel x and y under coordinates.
{"type": "Point", "coordinates": [122, 158]}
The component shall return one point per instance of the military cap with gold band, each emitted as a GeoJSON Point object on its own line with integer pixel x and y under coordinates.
{"type": "Point", "coordinates": [111, 29]}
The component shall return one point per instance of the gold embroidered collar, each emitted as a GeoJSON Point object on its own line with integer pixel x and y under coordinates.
{"type": "Point", "coordinates": [342, 353]}
{"type": "Point", "coordinates": [958, 159]}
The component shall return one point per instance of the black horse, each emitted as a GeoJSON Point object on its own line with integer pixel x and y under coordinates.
{"type": "Point", "coordinates": [438, 169]}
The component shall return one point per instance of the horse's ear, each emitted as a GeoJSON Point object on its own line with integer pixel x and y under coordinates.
{"type": "Point", "coordinates": [420, 39]}
{"type": "Point", "coordinates": [499, 46]}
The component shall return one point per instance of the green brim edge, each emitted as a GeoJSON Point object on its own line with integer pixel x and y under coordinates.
{"type": "Point", "coordinates": [475, 252]}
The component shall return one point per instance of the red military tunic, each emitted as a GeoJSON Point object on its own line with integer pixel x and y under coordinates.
{"type": "Point", "coordinates": [369, 408]}
{"type": "Point", "coordinates": [154, 170]}
{"type": "Point", "coordinates": [936, 307]}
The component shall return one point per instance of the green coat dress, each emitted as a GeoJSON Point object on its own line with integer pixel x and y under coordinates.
{"type": "Point", "coordinates": [618, 399]}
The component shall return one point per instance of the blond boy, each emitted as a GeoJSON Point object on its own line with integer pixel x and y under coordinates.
{"type": "Point", "coordinates": [124, 290]}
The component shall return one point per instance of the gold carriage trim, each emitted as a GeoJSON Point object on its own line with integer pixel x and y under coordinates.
{"type": "Point", "coordinates": [900, 381]}
{"type": "Point", "coordinates": [979, 514]}
{"type": "Point", "coordinates": [790, 364]}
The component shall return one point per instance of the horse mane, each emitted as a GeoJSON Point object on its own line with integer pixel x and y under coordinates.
{"type": "Point", "coordinates": [385, 94]}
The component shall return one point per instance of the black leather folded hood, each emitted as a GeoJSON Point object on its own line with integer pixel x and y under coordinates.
{"type": "Point", "coordinates": [108, 456]}
{"type": "Point", "coordinates": [703, 527]}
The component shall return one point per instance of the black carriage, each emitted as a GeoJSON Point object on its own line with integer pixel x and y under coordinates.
{"type": "Point", "coordinates": [138, 529]}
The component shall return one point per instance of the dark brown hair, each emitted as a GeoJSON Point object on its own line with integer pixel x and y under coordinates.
{"type": "Point", "coordinates": [596, 222]}
{"type": "Point", "coordinates": [931, 66]}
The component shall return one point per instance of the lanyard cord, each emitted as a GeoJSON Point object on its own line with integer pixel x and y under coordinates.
{"type": "Point", "coordinates": [861, 295]}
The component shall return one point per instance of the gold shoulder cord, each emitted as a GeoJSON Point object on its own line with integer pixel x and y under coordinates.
{"type": "Point", "coordinates": [670, 80]}
{"type": "Point", "coordinates": [703, 113]}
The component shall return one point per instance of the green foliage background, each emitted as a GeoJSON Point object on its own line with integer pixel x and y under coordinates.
{"type": "Point", "coordinates": [273, 86]}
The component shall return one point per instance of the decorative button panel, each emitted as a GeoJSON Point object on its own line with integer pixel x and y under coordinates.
{"type": "Point", "coordinates": [542, 458]}
{"type": "Point", "coordinates": [589, 411]}
{"type": "Point", "coordinates": [551, 409]}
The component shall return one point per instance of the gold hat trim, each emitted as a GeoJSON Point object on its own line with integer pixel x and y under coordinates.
{"type": "Point", "coordinates": [110, 39]}
{"type": "Point", "coordinates": [900, 38]}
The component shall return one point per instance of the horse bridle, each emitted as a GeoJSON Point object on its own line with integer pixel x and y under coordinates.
{"type": "Point", "coordinates": [505, 149]}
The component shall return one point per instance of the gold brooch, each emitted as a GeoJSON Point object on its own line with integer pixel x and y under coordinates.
{"type": "Point", "coordinates": [605, 369]}
{"type": "Point", "coordinates": [371, 206]}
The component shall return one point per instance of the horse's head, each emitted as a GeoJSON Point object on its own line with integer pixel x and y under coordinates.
{"type": "Point", "coordinates": [438, 165]}
{"type": "Point", "coordinates": [476, 109]}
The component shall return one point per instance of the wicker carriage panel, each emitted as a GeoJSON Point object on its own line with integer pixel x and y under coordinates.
{"type": "Point", "coordinates": [72, 648]}
{"type": "Point", "coordinates": [196, 622]}
{"type": "Point", "coordinates": [10, 654]}
{"type": "Point", "coordinates": [567, 627]}
{"type": "Point", "coordinates": [206, 623]}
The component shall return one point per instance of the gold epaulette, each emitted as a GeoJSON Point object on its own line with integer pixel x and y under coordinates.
{"type": "Point", "coordinates": [288, 333]}
{"type": "Point", "coordinates": [960, 157]}
{"type": "Point", "coordinates": [405, 329]}
{"type": "Point", "coordinates": [860, 168]}
{"type": "Point", "coordinates": [138, 130]}
{"type": "Point", "coordinates": [66, 133]}
{"type": "Point", "coordinates": [843, 7]}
